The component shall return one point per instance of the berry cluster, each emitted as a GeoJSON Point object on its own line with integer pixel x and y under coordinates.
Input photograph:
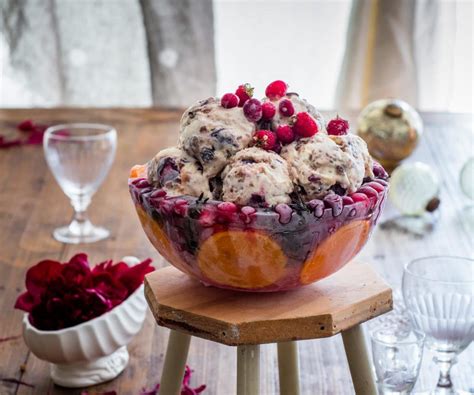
{"type": "Point", "coordinates": [268, 137]}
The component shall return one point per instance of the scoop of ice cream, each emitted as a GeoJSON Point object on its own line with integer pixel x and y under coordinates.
{"type": "Point", "coordinates": [177, 173]}
{"type": "Point", "coordinates": [300, 105]}
{"type": "Point", "coordinates": [323, 163]}
{"type": "Point", "coordinates": [256, 177]}
{"type": "Point", "coordinates": [212, 134]}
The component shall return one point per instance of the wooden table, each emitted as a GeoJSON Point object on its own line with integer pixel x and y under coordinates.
{"type": "Point", "coordinates": [31, 205]}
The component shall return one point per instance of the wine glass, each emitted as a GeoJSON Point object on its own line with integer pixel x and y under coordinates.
{"type": "Point", "coordinates": [438, 296]}
{"type": "Point", "coordinates": [80, 156]}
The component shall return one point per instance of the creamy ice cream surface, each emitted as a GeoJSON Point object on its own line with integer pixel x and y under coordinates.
{"type": "Point", "coordinates": [256, 177]}
{"type": "Point", "coordinates": [213, 134]}
{"type": "Point", "coordinates": [178, 173]}
{"type": "Point", "coordinates": [322, 163]}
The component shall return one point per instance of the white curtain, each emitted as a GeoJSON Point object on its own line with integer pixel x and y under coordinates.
{"type": "Point", "coordinates": [106, 53]}
{"type": "Point", "coordinates": [403, 49]}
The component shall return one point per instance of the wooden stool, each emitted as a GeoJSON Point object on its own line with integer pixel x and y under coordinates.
{"type": "Point", "coordinates": [337, 304]}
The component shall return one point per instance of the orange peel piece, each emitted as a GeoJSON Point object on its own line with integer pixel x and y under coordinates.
{"type": "Point", "coordinates": [242, 259]}
{"type": "Point", "coordinates": [160, 240]}
{"type": "Point", "coordinates": [335, 251]}
{"type": "Point", "coordinates": [138, 171]}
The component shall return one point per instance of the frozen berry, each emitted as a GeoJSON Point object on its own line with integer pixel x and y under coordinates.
{"type": "Point", "coordinates": [181, 207]}
{"type": "Point", "coordinates": [247, 214]}
{"type": "Point", "coordinates": [334, 202]}
{"type": "Point", "coordinates": [143, 183]}
{"type": "Point", "coordinates": [375, 185]}
{"type": "Point", "coordinates": [305, 125]}
{"type": "Point", "coordinates": [284, 211]}
{"type": "Point", "coordinates": [379, 171]}
{"type": "Point", "coordinates": [337, 126]}
{"type": "Point", "coordinates": [264, 139]}
{"type": "Point", "coordinates": [360, 197]}
{"type": "Point", "coordinates": [244, 92]}
{"type": "Point", "coordinates": [369, 191]}
{"type": "Point", "coordinates": [207, 217]}
{"type": "Point", "coordinates": [158, 194]}
{"type": "Point", "coordinates": [286, 108]}
{"type": "Point", "coordinates": [268, 110]}
{"type": "Point", "coordinates": [317, 207]}
{"type": "Point", "coordinates": [229, 100]}
{"type": "Point", "coordinates": [253, 110]}
{"type": "Point", "coordinates": [227, 207]}
{"type": "Point", "coordinates": [285, 134]}
{"type": "Point", "coordinates": [381, 182]}
{"type": "Point", "coordinates": [276, 90]}
{"type": "Point", "coordinates": [347, 200]}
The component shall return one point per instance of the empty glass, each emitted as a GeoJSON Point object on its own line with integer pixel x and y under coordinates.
{"type": "Point", "coordinates": [438, 296]}
{"type": "Point", "coordinates": [80, 156]}
{"type": "Point", "coordinates": [397, 353]}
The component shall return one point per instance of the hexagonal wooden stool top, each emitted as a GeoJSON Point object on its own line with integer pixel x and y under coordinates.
{"type": "Point", "coordinates": [352, 295]}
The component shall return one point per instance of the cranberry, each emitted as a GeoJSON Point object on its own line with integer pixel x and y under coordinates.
{"type": "Point", "coordinates": [143, 183]}
{"type": "Point", "coordinates": [265, 139]}
{"type": "Point", "coordinates": [379, 171]}
{"type": "Point", "coordinates": [158, 193]}
{"type": "Point", "coordinates": [207, 217]}
{"type": "Point", "coordinates": [337, 127]}
{"type": "Point", "coordinates": [286, 108]}
{"type": "Point", "coordinates": [227, 207]}
{"type": "Point", "coordinates": [230, 100]}
{"type": "Point", "coordinates": [305, 125]}
{"type": "Point", "coordinates": [381, 182]}
{"type": "Point", "coordinates": [253, 110]}
{"type": "Point", "coordinates": [268, 110]}
{"type": "Point", "coordinates": [276, 90]}
{"type": "Point", "coordinates": [347, 200]}
{"type": "Point", "coordinates": [137, 180]}
{"type": "Point", "coordinates": [317, 206]}
{"type": "Point", "coordinates": [247, 213]}
{"type": "Point", "coordinates": [244, 93]}
{"type": "Point", "coordinates": [284, 212]}
{"type": "Point", "coordinates": [369, 191]}
{"type": "Point", "coordinates": [166, 206]}
{"type": "Point", "coordinates": [181, 207]}
{"type": "Point", "coordinates": [334, 202]}
{"type": "Point", "coordinates": [360, 197]}
{"type": "Point", "coordinates": [375, 185]}
{"type": "Point", "coordinates": [285, 134]}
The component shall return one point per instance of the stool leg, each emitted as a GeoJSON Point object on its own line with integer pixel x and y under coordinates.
{"type": "Point", "coordinates": [248, 370]}
{"type": "Point", "coordinates": [359, 362]}
{"type": "Point", "coordinates": [288, 368]}
{"type": "Point", "coordinates": [175, 362]}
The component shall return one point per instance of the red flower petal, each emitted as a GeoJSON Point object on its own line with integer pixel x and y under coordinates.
{"type": "Point", "coordinates": [25, 302]}
{"type": "Point", "coordinates": [26, 126]}
{"type": "Point", "coordinates": [133, 277]}
{"type": "Point", "coordinates": [38, 276]}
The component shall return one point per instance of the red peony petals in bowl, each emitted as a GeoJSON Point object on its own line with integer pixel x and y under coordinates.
{"type": "Point", "coordinates": [61, 295]}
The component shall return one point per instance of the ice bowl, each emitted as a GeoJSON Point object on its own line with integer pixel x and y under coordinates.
{"type": "Point", "coordinates": [257, 249]}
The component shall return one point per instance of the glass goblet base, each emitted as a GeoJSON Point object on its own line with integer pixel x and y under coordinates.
{"type": "Point", "coordinates": [80, 232]}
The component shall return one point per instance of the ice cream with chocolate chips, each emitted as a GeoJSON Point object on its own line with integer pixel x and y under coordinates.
{"type": "Point", "coordinates": [213, 134]}
{"type": "Point", "coordinates": [256, 177]}
{"type": "Point", "coordinates": [322, 163]}
{"type": "Point", "coordinates": [177, 173]}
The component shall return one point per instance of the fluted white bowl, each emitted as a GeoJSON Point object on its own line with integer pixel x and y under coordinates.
{"type": "Point", "coordinates": [93, 351]}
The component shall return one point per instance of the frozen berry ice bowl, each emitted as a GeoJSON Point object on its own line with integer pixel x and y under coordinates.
{"type": "Point", "coordinates": [258, 249]}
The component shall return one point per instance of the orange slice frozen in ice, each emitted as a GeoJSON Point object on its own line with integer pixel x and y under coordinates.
{"type": "Point", "coordinates": [335, 251]}
{"type": "Point", "coordinates": [160, 240]}
{"type": "Point", "coordinates": [242, 259]}
{"type": "Point", "coordinates": [138, 171]}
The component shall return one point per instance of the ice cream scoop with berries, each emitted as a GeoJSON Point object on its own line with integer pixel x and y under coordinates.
{"type": "Point", "coordinates": [266, 167]}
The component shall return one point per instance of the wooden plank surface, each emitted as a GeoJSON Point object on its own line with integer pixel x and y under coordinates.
{"type": "Point", "coordinates": [353, 295]}
{"type": "Point", "coordinates": [31, 205]}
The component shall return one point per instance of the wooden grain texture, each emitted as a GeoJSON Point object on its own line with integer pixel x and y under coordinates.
{"type": "Point", "coordinates": [31, 205]}
{"type": "Point", "coordinates": [353, 295]}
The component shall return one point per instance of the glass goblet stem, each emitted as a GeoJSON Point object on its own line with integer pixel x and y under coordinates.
{"type": "Point", "coordinates": [445, 361]}
{"type": "Point", "coordinates": [80, 223]}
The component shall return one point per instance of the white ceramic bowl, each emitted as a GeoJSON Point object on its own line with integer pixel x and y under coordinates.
{"type": "Point", "coordinates": [94, 351]}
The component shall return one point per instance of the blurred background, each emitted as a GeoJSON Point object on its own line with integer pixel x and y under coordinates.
{"type": "Point", "coordinates": [338, 53]}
